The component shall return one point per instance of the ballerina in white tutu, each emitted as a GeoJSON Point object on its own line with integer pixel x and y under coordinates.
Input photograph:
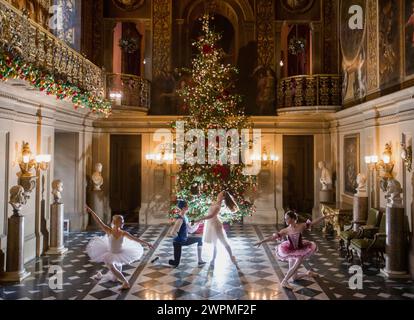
{"type": "Point", "coordinates": [115, 249]}
{"type": "Point", "coordinates": [213, 229]}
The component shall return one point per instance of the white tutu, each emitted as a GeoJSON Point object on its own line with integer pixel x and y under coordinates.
{"type": "Point", "coordinates": [213, 231]}
{"type": "Point", "coordinates": [110, 250]}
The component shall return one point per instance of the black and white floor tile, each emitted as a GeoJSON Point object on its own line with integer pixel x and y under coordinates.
{"type": "Point", "coordinates": [256, 276]}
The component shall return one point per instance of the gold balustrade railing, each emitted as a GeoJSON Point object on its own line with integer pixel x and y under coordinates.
{"type": "Point", "coordinates": [128, 90]}
{"type": "Point", "coordinates": [309, 90]}
{"type": "Point", "coordinates": [36, 45]}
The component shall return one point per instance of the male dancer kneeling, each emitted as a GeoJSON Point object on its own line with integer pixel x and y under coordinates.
{"type": "Point", "coordinates": [180, 232]}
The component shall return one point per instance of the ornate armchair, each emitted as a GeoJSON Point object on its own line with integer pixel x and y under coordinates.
{"type": "Point", "coordinates": [370, 241]}
{"type": "Point", "coordinates": [371, 225]}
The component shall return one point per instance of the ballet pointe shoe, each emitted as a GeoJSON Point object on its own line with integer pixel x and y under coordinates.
{"type": "Point", "coordinates": [125, 286]}
{"type": "Point", "coordinates": [286, 285]}
{"type": "Point", "coordinates": [312, 274]}
{"type": "Point", "coordinates": [98, 276]}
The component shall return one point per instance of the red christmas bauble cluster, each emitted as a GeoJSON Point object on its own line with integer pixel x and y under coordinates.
{"type": "Point", "coordinates": [221, 171]}
{"type": "Point", "coordinates": [207, 49]}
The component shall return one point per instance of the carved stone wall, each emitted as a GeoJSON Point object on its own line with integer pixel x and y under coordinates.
{"type": "Point", "coordinates": [330, 36]}
{"type": "Point", "coordinates": [372, 65]}
{"type": "Point", "coordinates": [162, 35]}
{"type": "Point", "coordinates": [38, 10]}
{"type": "Point", "coordinates": [265, 32]}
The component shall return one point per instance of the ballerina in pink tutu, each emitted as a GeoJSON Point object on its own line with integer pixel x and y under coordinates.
{"type": "Point", "coordinates": [294, 250]}
{"type": "Point", "coordinates": [115, 249]}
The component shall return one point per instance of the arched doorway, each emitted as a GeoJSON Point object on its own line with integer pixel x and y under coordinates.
{"type": "Point", "coordinates": [127, 49]}
{"type": "Point", "coordinates": [296, 49]}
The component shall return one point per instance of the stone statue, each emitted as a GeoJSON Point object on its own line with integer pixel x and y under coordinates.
{"type": "Point", "coordinates": [362, 185]}
{"type": "Point", "coordinates": [393, 195]}
{"type": "Point", "coordinates": [97, 178]}
{"type": "Point", "coordinates": [17, 198]}
{"type": "Point", "coordinates": [326, 178]}
{"type": "Point", "coordinates": [57, 189]}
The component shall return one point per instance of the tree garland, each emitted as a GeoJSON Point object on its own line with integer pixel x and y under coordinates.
{"type": "Point", "coordinates": [13, 67]}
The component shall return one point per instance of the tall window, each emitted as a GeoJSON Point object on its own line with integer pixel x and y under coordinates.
{"type": "Point", "coordinates": [66, 21]}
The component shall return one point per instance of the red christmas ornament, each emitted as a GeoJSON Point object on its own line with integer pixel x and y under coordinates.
{"type": "Point", "coordinates": [221, 171]}
{"type": "Point", "coordinates": [207, 49]}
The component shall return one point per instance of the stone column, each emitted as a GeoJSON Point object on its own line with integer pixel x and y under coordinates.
{"type": "Point", "coordinates": [316, 28]}
{"type": "Point", "coordinates": [57, 246]}
{"type": "Point", "coordinates": [360, 210]}
{"type": "Point", "coordinates": [396, 262]}
{"type": "Point", "coordinates": [15, 271]}
{"type": "Point", "coordinates": [97, 204]}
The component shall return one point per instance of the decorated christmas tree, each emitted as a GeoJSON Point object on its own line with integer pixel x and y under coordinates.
{"type": "Point", "coordinates": [212, 104]}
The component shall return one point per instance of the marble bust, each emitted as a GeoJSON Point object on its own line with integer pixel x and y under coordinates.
{"type": "Point", "coordinates": [393, 195]}
{"type": "Point", "coordinates": [97, 178]}
{"type": "Point", "coordinates": [326, 178]}
{"type": "Point", "coordinates": [362, 185]}
{"type": "Point", "coordinates": [17, 198]}
{"type": "Point", "coordinates": [57, 189]}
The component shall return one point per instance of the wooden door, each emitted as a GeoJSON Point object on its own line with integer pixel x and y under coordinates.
{"type": "Point", "coordinates": [125, 192]}
{"type": "Point", "coordinates": [298, 173]}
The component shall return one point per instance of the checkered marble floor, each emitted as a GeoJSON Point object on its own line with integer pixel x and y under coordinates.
{"type": "Point", "coordinates": [257, 275]}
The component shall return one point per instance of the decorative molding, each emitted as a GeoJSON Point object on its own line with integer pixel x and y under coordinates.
{"type": "Point", "coordinates": [372, 65]}
{"type": "Point", "coordinates": [162, 36]}
{"type": "Point", "coordinates": [98, 29]}
{"type": "Point", "coordinates": [265, 33]}
{"type": "Point", "coordinates": [330, 36]}
{"type": "Point", "coordinates": [130, 5]}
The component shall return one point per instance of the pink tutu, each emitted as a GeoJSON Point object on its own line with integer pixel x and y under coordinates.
{"type": "Point", "coordinates": [285, 251]}
{"type": "Point", "coordinates": [109, 250]}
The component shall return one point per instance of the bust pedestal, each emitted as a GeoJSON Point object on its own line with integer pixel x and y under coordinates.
{"type": "Point", "coordinates": [97, 204]}
{"type": "Point", "coordinates": [396, 246]}
{"type": "Point", "coordinates": [57, 246]}
{"type": "Point", "coordinates": [360, 211]}
{"type": "Point", "coordinates": [326, 196]}
{"type": "Point", "coordinates": [15, 271]}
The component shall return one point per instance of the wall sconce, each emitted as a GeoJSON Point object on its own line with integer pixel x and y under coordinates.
{"type": "Point", "coordinates": [407, 156]}
{"type": "Point", "coordinates": [265, 158]}
{"type": "Point", "coordinates": [30, 168]}
{"type": "Point", "coordinates": [282, 58]}
{"type": "Point", "coordinates": [116, 97]}
{"type": "Point", "coordinates": [385, 165]}
{"type": "Point", "coordinates": [160, 158]}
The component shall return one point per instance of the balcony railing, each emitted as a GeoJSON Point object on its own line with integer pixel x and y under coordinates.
{"type": "Point", "coordinates": [38, 46]}
{"type": "Point", "coordinates": [309, 90]}
{"type": "Point", "coordinates": [126, 90]}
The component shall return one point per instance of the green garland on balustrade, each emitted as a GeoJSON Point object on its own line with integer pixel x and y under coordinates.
{"type": "Point", "coordinates": [13, 67]}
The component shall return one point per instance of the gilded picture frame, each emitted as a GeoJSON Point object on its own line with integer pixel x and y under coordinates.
{"type": "Point", "coordinates": [351, 162]}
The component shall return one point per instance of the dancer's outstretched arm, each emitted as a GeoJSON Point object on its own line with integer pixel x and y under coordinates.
{"type": "Point", "coordinates": [277, 235]}
{"type": "Point", "coordinates": [136, 239]}
{"type": "Point", "coordinates": [98, 220]}
{"type": "Point", "coordinates": [208, 217]}
{"type": "Point", "coordinates": [320, 219]}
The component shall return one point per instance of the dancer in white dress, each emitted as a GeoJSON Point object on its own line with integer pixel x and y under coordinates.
{"type": "Point", "coordinates": [115, 249]}
{"type": "Point", "coordinates": [213, 229]}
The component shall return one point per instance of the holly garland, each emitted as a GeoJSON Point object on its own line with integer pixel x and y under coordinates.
{"type": "Point", "coordinates": [13, 67]}
{"type": "Point", "coordinates": [212, 104]}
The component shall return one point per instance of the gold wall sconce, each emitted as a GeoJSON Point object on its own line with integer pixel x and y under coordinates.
{"type": "Point", "coordinates": [385, 166]}
{"type": "Point", "coordinates": [30, 168]}
{"type": "Point", "coordinates": [265, 158]}
{"type": "Point", "coordinates": [160, 158]}
{"type": "Point", "coordinates": [407, 156]}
